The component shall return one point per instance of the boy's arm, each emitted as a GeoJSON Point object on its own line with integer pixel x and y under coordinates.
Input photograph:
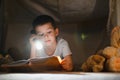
{"type": "Point", "coordinates": [33, 52]}
{"type": "Point", "coordinates": [67, 63]}
{"type": "Point", "coordinates": [33, 48]}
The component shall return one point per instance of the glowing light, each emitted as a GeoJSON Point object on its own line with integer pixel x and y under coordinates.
{"type": "Point", "coordinates": [59, 59]}
{"type": "Point", "coordinates": [83, 36]}
{"type": "Point", "coordinates": [38, 44]}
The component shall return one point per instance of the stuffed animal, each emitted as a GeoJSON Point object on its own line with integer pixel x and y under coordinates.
{"type": "Point", "coordinates": [112, 53]}
{"type": "Point", "coordinates": [94, 63]}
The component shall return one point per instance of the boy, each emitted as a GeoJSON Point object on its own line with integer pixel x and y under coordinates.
{"type": "Point", "coordinates": [46, 30]}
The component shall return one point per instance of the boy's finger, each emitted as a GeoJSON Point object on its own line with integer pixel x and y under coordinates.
{"type": "Point", "coordinates": [63, 61]}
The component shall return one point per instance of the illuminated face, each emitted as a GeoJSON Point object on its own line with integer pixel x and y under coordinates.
{"type": "Point", "coordinates": [47, 33]}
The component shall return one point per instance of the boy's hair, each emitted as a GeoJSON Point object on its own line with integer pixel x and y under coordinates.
{"type": "Point", "coordinates": [43, 19]}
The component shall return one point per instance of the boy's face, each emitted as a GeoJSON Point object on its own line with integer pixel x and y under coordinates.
{"type": "Point", "coordinates": [47, 33]}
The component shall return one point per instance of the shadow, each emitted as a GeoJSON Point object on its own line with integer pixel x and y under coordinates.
{"type": "Point", "coordinates": [14, 53]}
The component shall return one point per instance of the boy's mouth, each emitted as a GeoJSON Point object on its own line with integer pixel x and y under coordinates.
{"type": "Point", "coordinates": [47, 41]}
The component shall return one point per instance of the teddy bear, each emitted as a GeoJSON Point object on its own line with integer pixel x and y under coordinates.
{"type": "Point", "coordinates": [112, 52]}
{"type": "Point", "coordinates": [94, 63]}
{"type": "Point", "coordinates": [107, 59]}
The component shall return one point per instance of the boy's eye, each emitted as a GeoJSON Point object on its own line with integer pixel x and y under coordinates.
{"type": "Point", "coordinates": [40, 35]}
{"type": "Point", "coordinates": [49, 32]}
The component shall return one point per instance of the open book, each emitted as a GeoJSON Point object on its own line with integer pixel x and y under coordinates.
{"type": "Point", "coordinates": [34, 65]}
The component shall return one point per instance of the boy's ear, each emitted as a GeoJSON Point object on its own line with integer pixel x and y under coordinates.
{"type": "Point", "coordinates": [57, 31]}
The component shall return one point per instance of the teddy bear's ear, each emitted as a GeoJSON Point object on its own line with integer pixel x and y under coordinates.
{"type": "Point", "coordinates": [100, 52]}
{"type": "Point", "coordinates": [109, 52]}
{"type": "Point", "coordinates": [115, 37]}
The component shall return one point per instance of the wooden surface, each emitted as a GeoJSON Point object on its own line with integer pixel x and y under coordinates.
{"type": "Point", "coordinates": [60, 76]}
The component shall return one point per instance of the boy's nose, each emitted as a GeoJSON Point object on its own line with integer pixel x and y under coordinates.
{"type": "Point", "coordinates": [46, 36]}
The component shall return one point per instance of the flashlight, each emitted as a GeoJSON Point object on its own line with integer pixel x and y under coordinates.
{"type": "Point", "coordinates": [38, 44]}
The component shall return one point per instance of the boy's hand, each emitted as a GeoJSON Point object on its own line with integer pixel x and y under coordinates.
{"type": "Point", "coordinates": [33, 36]}
{"type": "Point", "coordinates": [67, 63]}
